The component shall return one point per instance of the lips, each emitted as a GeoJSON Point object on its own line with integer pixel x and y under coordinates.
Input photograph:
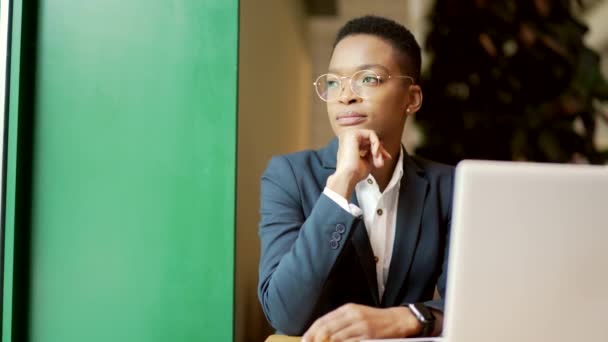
{"type": "Point", "coordinates": [350, 118]}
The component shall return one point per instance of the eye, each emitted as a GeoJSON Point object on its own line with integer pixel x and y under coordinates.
{"type": "Point", "coordinates": [370, 79]}
{"type": "Point", "coordinates": [332, 84]}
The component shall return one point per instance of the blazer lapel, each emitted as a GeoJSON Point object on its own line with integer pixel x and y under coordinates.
{"type": "Point", "coordinates": [412, 194]}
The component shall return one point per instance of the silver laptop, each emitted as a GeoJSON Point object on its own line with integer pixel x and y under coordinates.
{"type": "Point", "coordinates": [528, 253]}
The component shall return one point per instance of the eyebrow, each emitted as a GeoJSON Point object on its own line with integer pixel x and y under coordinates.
{"type": "Point", "coordinates": [363, 67]}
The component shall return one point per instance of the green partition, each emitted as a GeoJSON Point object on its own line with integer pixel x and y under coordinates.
{"type": "Point", "coordinates": [133, 144]}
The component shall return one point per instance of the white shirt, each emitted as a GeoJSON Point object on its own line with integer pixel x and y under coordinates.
{"type": "Point", "coordinates": [379, 212]}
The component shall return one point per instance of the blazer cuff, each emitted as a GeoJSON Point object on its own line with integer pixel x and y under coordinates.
{"type": "Point", "coordinates": [342, 202]}
{"type": "Point", "coordinates": [437, 304]}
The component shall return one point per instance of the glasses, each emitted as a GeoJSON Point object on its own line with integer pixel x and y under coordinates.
{"type": "Point", "coordinates": [363, 83]}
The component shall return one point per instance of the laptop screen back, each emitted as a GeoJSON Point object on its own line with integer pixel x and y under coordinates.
{"type": "Point", "coordinates": [528, 253]}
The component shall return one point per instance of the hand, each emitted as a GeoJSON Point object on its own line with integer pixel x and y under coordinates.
{"type": "Point", "coordinates": [359, 152]}
{"type": "Point", "coordinates": [353, 322]}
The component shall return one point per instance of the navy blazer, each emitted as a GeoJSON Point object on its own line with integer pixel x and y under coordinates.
{"type": "Point", "coordinates": [316, 256]}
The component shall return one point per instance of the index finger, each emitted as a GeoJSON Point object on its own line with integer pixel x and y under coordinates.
{"type": "Point", "coordinates": [328, 324]}
{"type": "Point", "coordinates": [367, 136]}
{"type": "Point", "coordinates": [379, 153]}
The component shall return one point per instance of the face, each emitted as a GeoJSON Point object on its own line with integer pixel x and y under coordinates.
{"type": "Point", "coordinates": [386, 110]}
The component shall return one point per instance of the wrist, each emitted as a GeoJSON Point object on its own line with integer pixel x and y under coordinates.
{"type": "Point", "coordinates": [342, 184]}
{"type": "Point", "coordinates": [408, 323]}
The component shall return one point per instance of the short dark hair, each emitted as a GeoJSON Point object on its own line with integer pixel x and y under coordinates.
{"type": "Point", "coordinates": [392, 32]}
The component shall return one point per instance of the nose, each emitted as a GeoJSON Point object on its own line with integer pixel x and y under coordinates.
{"type": "Point", "coordinates": [347, 95]}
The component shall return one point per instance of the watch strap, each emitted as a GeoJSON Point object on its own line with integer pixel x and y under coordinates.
{"type": "Point", "coordinates": [425, 317]}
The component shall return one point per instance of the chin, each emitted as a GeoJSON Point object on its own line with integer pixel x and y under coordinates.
{"type": "Point", "coordinates": [341, 129]}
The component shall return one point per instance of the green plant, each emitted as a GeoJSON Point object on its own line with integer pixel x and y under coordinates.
{"type": "Point", "coordinates": [510, 80]}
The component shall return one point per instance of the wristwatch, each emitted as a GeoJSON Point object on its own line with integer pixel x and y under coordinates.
{"type": "Point", "coordinates": [425, 317]}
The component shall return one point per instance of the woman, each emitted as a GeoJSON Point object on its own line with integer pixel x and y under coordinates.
{"type": "Point", "coordinates": [354, 236]}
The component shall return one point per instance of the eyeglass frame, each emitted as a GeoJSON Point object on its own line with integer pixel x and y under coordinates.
{"type": "Point", "coordinates": [340, 78]}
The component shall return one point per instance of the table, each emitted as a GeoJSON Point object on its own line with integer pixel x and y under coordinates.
{"type": "Point", "coordinates": [283, 338]}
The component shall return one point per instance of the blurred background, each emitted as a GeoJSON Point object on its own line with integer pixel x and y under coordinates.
{"type": "Point", "coordinates": [507, 80]}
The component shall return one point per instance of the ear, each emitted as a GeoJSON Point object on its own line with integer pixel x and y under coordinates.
{"type": "Point", "coordinates": [414, 99]}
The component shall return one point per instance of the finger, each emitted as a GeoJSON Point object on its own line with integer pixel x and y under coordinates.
{"type": "Point", "coordinates": [353, 332]}
{"type": "Point", "coordinates": [355, 339]}
{"type": "Point", "coordinates": [374, 141]}
{"type": "Point", "coordinates": [341, 318]}
{"type": "Point", "coordinates": [365, 145]}
{"type": "Point", "coordinates": [368, 139]}
{"type": "Point", "coordinates": [322, 336]}
{"type": "Point", "coordinates": [380, 157]}
{"type": "Point", "coordinates": [331, 329]}
{"type": "Point", "coordinates": [365, 151]}
{"type": "Point", "coordinates": [314, 334]}
{"type": "Point", "coordinates": [377, 148]}
{"type": "Point", "coordinates": [365, 133]}
{"type": "Point", "coordinates": [386, 155]}
{"type": "Point", "coordinates": [378, 161]}
{"type": "Point", "coordinates": [376, 145]}
{"type": "Point", "coordinates": [319, 330]}
{"type": "Point", "coordinates": [354, 139]}
{"type": "Point", "coordinates": [309, 335]}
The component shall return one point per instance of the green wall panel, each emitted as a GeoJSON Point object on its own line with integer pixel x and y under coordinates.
{"type": "Point", "coordinates": [133, 171]}
{"type": "Point", "coordinates": [11, 128]}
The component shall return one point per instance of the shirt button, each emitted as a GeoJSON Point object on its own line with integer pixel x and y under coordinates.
{"type": "Point", "coordinates": [370, 181]}
{"type": "Point", "coordinates": [379, 212]}
{"type": "Point", "coordinates": [376, 259]}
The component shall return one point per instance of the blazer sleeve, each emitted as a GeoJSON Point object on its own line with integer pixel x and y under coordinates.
{"type": "Point", "coordinates": [297, 252]}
